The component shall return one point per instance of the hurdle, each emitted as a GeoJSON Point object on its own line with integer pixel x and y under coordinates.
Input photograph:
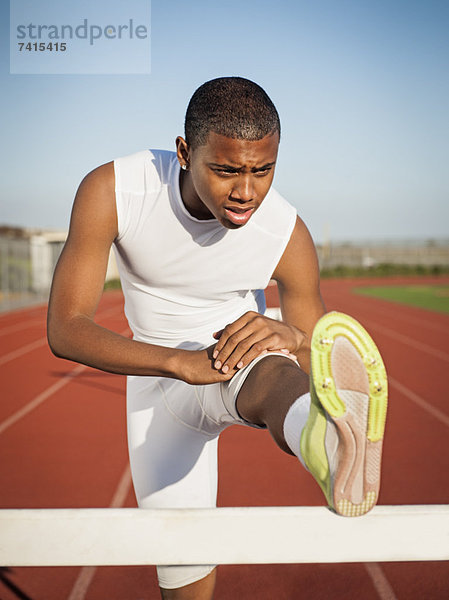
{"type": "Point", "coordinates": [249, 535]}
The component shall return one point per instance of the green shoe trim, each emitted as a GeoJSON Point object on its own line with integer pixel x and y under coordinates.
{"type": "Point", "coordinates": [325, 399]}
{"type": "Point", "coordinates": [327, 329]}
{"type": "Point", "coordinates": [312, 444]}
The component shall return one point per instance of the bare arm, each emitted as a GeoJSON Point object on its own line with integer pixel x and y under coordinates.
{"type": "Point", "coordinates": [77, 288]}
{"type": "Point", "coordinates": [297, 276]}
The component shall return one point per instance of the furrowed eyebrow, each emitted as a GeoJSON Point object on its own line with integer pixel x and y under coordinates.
{"type": "Point", "coordinates": [227, 167]}
{"type": "Point", "coordinates": [264, 167]}
{"type": "Point", "coordinates": [236, 169]}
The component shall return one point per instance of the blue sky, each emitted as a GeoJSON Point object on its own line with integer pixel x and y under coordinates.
{"type": "Point", "coordinates": [362, 88]}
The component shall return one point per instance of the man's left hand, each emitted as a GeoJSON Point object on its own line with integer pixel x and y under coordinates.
{"type": "Point", "coordinates": [253, 334]}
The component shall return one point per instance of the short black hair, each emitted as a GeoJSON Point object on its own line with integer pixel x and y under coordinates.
{"type": "Point", "coordinates": [231, 106]}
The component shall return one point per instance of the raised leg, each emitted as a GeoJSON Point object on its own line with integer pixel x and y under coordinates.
{"type": "Point", "coordinates": [339, 435]}
{"type": "Point", "coordinates": [268, 392]}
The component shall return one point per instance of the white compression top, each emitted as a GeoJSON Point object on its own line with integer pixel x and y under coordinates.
{"type": "Point", "coordinates": [184, 278]}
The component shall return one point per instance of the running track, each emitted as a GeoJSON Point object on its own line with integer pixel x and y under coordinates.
{"type": "Point", "coordinates": [62, 444]}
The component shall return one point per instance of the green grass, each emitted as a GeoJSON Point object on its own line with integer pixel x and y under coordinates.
{"type": "Point", "coordinates": [112, 284]}
{"type": "Point", "coordinates": [431, 297]}
{"type": "Point", "coordinates": [383, 270]}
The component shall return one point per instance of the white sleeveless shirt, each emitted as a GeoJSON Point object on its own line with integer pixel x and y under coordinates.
{"type": "Point", "coordinates": [184, 278]}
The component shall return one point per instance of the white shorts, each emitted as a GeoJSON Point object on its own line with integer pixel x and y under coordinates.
{"type": "Point", "coordinates": [173, 430]}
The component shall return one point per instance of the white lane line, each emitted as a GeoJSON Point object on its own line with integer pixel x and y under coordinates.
{"type": "Point", "coordinates": [21, 326]}
{"type": "Point", "coordinates": [440, 327]}
{"type": "Point", "coordinates": [275, 313]}
{"type": "Point", "coordinates": [34, 321]}
{"type": "Point", "coordinates": [86, 574]}
{"type": "Point", "coordinates": [21, 351]}
{"type": "Point", "coordinates": [435, 412]}
{"type": "Point", "coordinates": [122, 490]}
{"type": "Point", "coordinates": [32, 311]}
{"type": "Point", "coordinates": [405, 339]}
{"type": "Point", "coordinates": [40, 398]}
{"type": "Point", "coordinates": [41, 342]}
{"type": "Point", "coordinates": [44, 395]}
{"type": "Point", "coordinates": [380, 581]}
{"type": "Point", "coordinates": [390, 309]}
{"type": "Point", "coordinates": [82, 583]}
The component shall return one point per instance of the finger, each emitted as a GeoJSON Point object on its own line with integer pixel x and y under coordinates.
{"type": "Point", "coordinates": [249, 349]}
{"type": "Point", "coordinates": [289, 355]}
{"type": "Point", "coordinates": [250, 356]}
{"type": "Point", "coordinates": [286, 352]}
{"type": "Point", "coordinates": [247, 359]}
{"type": "Point", "coordinates": [232, 337]}
{"type": "Point", "coordinates": [238, 344]}
{"type": "Point", "coordinates": [231, 329]}
{"type": "Point", "coordinates": [213, 377]}
{"type": "Point", "coordinates": [222, 336]}
{"type": "Point", "coordinates": [208, 375]}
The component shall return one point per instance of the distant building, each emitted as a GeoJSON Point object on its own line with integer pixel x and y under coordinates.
{"type": "Point", "coordinates": [28, 257]}
{"type": "Point", "coordinates": [45, 248]}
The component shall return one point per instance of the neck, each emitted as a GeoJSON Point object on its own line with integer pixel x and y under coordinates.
{"type": "Point", "coordinates": [190, 198]}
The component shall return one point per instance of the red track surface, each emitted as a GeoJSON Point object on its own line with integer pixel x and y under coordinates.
{"type": "Point", "coordinates": [69, 450]}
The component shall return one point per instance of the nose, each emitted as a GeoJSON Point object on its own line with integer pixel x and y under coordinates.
{"type": "Point", "coordinates": [243, 188]}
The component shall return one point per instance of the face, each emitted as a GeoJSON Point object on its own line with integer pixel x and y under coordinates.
{"type": "Point", "coordinates": [227, 178]}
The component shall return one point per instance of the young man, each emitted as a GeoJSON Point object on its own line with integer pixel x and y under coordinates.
{"type": "Point", "coordinates": [198, 234]}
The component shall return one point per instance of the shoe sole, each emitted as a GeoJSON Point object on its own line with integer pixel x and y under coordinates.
{"type": "Point", "coordinates": [353, 488]}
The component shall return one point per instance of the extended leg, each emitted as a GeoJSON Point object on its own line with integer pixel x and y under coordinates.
{"type": "Point", "coordinates": [340, 438]}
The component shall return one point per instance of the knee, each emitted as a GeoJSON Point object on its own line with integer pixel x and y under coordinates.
{"type": "Point", "coordinates": [277, 370]}
{"type": "Point", "coordinates": [271, 378]}
{"type": "Point", "coordinates": [268, 392]}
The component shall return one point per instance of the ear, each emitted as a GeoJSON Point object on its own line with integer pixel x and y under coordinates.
{"type": "Point", "coordinates": [182, 151]}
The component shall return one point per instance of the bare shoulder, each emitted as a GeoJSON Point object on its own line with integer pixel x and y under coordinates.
{"type": "Point", "coordinates": [298, 266]}
{"type": "Point", "coordinates": [94, 206]}
{"type": "Point", "coordinates": [101, 177]}
{"type": "Point", "coordinates": [80, 272]}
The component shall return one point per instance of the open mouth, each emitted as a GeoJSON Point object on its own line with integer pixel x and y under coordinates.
{"type": "Point", "coordinates": [238, 215]}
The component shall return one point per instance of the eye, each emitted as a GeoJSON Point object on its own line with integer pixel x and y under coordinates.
{"type": "Point", "coordinates": [262, 172]}
{"type": "Point", "coordinates": [225, 172]}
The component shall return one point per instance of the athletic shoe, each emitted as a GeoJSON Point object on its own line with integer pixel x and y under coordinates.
{"type": "Point", "coordinates": [341, 442]}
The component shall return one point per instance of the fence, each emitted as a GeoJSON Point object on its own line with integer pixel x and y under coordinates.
{"type": "Point", "coordinates": [432, 253]}
{"type": "Point", "coordinates": [26, 269]}
{"type": "Point", "coordinates": [27, 263]}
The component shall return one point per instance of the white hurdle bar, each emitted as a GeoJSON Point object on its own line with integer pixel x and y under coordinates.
{"type": "Point", "coordinates": [130, 536]}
